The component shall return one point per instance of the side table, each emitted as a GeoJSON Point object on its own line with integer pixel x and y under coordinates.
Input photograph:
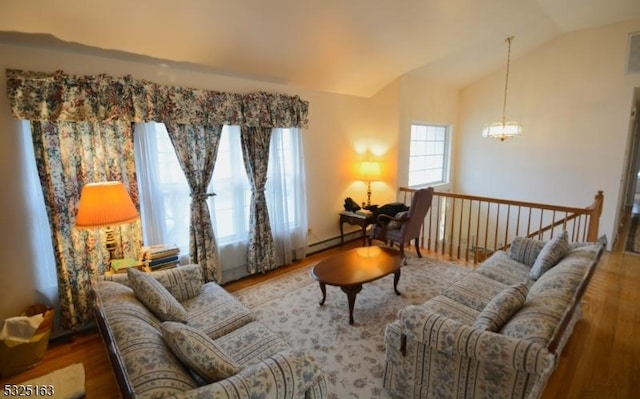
{"type": "Point", "coordinates": [356, 220]}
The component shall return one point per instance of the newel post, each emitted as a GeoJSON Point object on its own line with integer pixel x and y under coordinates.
{"type": "Point", "coordinates": [594, 216]}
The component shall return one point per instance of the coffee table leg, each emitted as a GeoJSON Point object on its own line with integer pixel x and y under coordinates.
{"type": "Point", "coordinates": [323, 288]}
{"type": "Point", "coordinates": [396, 278]}
{"type": "Point", "coordinates": [351, 291]}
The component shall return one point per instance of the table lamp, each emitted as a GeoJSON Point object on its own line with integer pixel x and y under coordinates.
{"type": "Point", "coordinates": [370, 171]}
{"type": "Point", "coordinates": [105, 204]}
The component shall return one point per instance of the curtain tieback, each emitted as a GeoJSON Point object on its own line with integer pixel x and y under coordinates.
{"type": "Point", "coordinates": [201, 196]}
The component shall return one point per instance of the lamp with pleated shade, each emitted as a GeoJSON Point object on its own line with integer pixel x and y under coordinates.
{"type": "Point", "coordinates": [105, 204]}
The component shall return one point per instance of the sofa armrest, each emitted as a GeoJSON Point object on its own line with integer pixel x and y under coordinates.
{"type": "Point", "coordinates": [183, 282]}
{"type": "Point", "coordinates": [287, 374]}
{"type": "Point", "coordinates": [450, 336]}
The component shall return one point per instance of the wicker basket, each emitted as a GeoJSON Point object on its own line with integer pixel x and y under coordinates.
{"type": "Point", "coordinates": [16, 356]}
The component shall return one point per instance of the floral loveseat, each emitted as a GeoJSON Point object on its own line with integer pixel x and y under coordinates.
{"type": "Point", "coordinates": [170, 335]}
{"type": "Point", "coordinates": [498, 331]}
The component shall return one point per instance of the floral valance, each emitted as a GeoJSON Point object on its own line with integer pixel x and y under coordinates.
{"type": "Point", "coordinates": [58, 96]}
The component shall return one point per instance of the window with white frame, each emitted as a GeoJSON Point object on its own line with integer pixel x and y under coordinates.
{"type": "Point", "coordinates": [428, 154]}
{"type": "Point", "coordinates": [165, 200]}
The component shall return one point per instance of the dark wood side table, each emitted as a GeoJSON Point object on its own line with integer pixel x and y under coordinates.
{"type": "Point", "coordinates": [356, 220]}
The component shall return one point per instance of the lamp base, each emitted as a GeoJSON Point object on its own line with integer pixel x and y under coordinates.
{"type": "Point", "coordinates": [111, 247]}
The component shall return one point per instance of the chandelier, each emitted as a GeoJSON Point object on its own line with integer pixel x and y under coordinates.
{"type": "Point", "coordinates": [503, 129]}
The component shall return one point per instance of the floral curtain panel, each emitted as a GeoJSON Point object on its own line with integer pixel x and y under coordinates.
{"type": "Point", "coordinates": [197, 149]}
{"type": "Point", "coordinates": [69, 155]}
{"type": "Point", "coordinates": [255, 152]}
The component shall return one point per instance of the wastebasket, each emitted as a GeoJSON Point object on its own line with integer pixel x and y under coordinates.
{"type": "Point", "coordinates": [16, 356]}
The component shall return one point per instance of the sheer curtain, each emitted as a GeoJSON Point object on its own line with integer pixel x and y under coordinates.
{"type": "Point", "coordinates": [164, 192]}
{"type": "Point", "coordinates": [286, 195]}
{"type": "Point", "coordinates": [38, 222]}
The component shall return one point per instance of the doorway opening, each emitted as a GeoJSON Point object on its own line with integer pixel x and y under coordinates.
{"type": "Point", "coordinates": [628, 237]}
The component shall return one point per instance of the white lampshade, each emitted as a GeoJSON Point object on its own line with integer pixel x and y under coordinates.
{"type": "Point", "coordinates": [502, 130]}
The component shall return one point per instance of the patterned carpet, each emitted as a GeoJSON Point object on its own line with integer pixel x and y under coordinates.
{"type": "Point", "coordinates": [351, 356]}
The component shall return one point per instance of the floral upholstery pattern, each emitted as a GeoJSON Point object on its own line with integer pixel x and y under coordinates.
{"type": "Point", "coordinates": [501, 308]}
{"type": "Point", "coordinates": [216, 312]}
{"type": "Point", "coordinates": [156, 297]}
{"type": "Point", "coordinates": [475, 291]}
{"type": "Point", "coordinates": [286, 375]}
{"type": "Point", "coordinates": [155, 370]}
{"type": "Point", "coordinates": [551, 253]}
{"type": "Point", "coordinates": [195, 349]}
{"type": "Point", "coordinates": [525, 250]}
{"type": "Point", "coordinates": [266, 365]}
{"type": "Point", "coordinates": [443, 349]}
{"type": "Point", "coordinates": [251, 343]}
{"type": "Point", "coordinates": [504, 269]}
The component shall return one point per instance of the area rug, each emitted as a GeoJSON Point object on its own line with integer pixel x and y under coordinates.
{"type": "Point", "coordinates": [65, 383]}
{"type": "Point", "coordinates": [352, 356]}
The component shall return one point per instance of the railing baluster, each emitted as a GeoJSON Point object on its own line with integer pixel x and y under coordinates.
{"type": "Point", "coordinates": [518, 221]}
{"type": "Point", "coordinates": [486, 229]}
{"type": "Point", "coordinates": [460, 229]}
{"type": "Point", "coordinates": [495, 236]}
{"type": "Point", "coordinates": [469, 230]}
{"type": "Point", "coordinates": [506, 230]}
{"type": "Point", "coordinates": [540, 232]}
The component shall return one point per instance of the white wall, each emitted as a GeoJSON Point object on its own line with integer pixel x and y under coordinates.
{"type": "Point", "coordinates": [339, 127]}
{"type": "Point", "coordinates": [574, 100]}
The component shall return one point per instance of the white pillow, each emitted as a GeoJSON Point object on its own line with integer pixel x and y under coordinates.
{"type": "Point", "coordinates": [198, 352]}
{"type": "Point", "coordinates": [155, 297]}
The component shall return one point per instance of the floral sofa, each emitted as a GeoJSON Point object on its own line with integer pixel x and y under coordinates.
{"type": "Point", "coordinates": [170, 335]}
{"type": "Point", "coordinates": [497, 332]}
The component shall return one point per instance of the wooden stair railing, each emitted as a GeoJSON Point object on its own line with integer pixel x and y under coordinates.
{"type": "Point", "coordinates": [470, 228]}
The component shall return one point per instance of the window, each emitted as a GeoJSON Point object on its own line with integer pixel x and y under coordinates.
{"type": "Point", "coordinates": [428, 154]}
{"type": "Point", "coordinates": [165, 200]}
{"type": "Point", "coordinates": [169, 199]}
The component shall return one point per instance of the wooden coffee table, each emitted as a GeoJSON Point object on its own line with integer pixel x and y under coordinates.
{"type": "Point", "coordinates": [351, 269]}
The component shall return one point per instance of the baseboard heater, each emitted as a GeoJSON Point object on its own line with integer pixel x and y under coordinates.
{"type": "Point", "coordinates": [333, 242]}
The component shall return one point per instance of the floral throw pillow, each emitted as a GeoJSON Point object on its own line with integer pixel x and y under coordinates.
{"type": "Point", "coordinates": [525, 250]}
{"type": "Point", "coordinates": [554, 250]}
{"type": "Point", "coordinates": [198, 352]}
{"type": "Point", "coordinates": [155, 297]}
{"type": "Point", "coordinates": [501, 307]}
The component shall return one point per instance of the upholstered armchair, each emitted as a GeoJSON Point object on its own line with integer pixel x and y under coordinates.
{"type": "Point", "coordinates": [404, 227]}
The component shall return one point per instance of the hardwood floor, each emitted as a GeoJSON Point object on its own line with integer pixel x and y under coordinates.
{"type": "Point", "coordinates": [601, 360]}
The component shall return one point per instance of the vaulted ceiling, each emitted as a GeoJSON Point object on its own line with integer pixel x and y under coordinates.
{"type": "Point", "coordinates": [345, 46]}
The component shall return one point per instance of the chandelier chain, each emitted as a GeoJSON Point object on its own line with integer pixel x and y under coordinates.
{"type": "Point", "coordinates": [506, 82]}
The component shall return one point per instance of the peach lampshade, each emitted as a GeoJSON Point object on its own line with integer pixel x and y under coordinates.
{"type": "Point", "coordinates": [370, 171]}
{"type": "Point", "coordinates": [105, 204]}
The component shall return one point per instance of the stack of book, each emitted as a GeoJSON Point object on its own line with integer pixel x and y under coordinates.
{"type": "Point", "coordinates": [161, 256]}
{"type": "Point", "coordinates": [121, 265]}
